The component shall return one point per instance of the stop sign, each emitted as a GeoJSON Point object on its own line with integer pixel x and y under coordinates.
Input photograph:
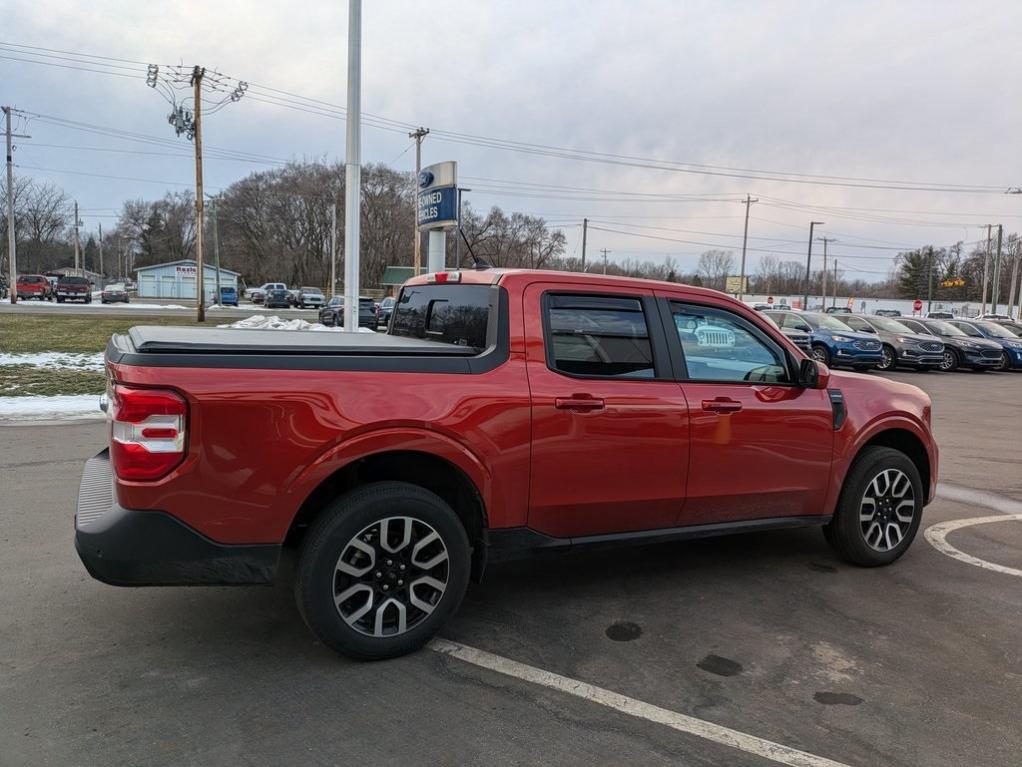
{"type": "Point", "coordinates": [917, 305]}
{"type": "Point", "coordinates": [770, 299]}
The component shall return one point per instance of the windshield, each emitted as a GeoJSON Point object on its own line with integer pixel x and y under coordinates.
{"type": "Point", "coordinates": [891, 326]}
{"type": "Point", "coordinates": [827, 322]}
{"type": "Point", "coordinates": [74, 280]}
{"type": "Point", "coordinates": [942, 328]}
{"type": "Point", "coordinates": [995, 330]}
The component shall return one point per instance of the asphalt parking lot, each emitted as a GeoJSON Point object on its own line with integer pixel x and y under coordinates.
{"type": "Point", "coordinates": [765, 634]}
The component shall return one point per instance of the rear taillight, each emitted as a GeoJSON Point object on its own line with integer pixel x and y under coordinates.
{"type": "Point", "coordinates": [147, 432]}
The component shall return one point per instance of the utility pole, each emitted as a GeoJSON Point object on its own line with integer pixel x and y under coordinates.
{"type": "Point", "coordinates": [823, 274]}
{"type": "Point", "coordinates": [833, 301]}
{"type": "Point", "coordinates": [457, 240]}
{"type": "Point", "coordinates": [604, 251]}
{"type": "Point", "coordinates": [986, 270]}
{"type": "Point", "coordinates": [809, 262]}
{"type": "Point", "coordinates": [216, 250]}
{"type": "Point", "coordinates": [333, 247]}
{"type": "Point", "coordinates": [189, 124]}
{"type": "Point", "coordinates": [1014, 273]}
{"type": "Point", "coordinates": [353, 168]}
{"type": "Point", "coordinates": [929, 286]}
{"type": "Point", "coordinates": [585, 231]}
{"type": "Point", "coordinates": [101, 272]}
{"type": "Point", "coordinates": [745, 240]}
{"type": "Point", "coordinates": [418, 134]}
{"type": "Point", "coordinates": [200, 302]}
{"type": "Point", "coordinates": [12, 255]}
{"type": "Point", "coordinates": [995, 296]}
{"type": "Point", "coordinates": [77, 246]}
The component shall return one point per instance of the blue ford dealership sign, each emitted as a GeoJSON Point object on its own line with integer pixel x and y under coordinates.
{"type": "Point", "coordinates": [438, 207]}
{"type": "Point", "coordinates": [438, 196]}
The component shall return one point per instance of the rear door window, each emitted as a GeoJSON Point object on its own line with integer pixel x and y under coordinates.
{"type": "Point", "coordinates": [598, 336]}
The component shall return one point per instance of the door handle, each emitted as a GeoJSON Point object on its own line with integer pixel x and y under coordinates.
{"type": "Point", "coordinates": [577, 403]}
{"type": "Point", "coordinates": [722, 405]}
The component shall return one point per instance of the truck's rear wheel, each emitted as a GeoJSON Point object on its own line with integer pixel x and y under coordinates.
{"type": "Point", "coordinates": [382, 569]}
{"type": "Point", "coordinates": [879, 510]}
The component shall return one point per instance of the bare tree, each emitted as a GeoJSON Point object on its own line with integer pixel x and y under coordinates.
{"type": "Point", "coordinates": [714, 267]}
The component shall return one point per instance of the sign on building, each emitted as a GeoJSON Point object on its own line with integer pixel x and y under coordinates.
{"type": "Point", "coordinates": [437, 198]}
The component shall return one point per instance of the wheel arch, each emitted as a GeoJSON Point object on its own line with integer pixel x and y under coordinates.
{"type": "Point", "coordinates": [421, 468]}
{"type": "Point", "coordinates": [907, 442]}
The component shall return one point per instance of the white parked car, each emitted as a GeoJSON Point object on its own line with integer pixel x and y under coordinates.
{"type": "Point", "coordinates": [310, 298]}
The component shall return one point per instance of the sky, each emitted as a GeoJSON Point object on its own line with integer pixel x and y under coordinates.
{"type": "Point", "coordinates": [769, 95]}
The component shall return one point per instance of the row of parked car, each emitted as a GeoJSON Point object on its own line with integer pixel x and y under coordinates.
{"type": "Point", "coordinates": [276, 295]}
{"type": "Point", "coordinates": [868, 341]}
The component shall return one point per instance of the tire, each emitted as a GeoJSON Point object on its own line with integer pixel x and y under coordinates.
{"type": "Point", "coordinates": [888, 358]}
{"type": "Point", "coordinates": [351, 527]}
{"type": "Point", "coordinates": [1005, 364]}
{"type": "Point", "coordinates": [60, 299]}
{"type": "Point", "coordinates": [950, 361]}
{"type": "Point", "coordinates": [820, 353]}
{"type": "Point", "coordinates": [888, 531]}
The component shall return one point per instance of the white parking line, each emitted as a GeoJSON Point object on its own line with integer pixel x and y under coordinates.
{"type": "Point", "coordinates": [716, 733]}
{"type": "Point", "coordinates": [937, 536]}
{"type": "Point", "coordinates": [979, 498]}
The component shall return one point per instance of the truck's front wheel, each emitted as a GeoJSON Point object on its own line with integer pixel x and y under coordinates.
{"type": "Point", "coordinates": [880, 508]}
{"type": "Point", "coordinates": [382, 569]}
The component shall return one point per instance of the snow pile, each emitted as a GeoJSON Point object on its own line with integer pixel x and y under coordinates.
{"type": "Point", "coordinates": [34, 408]}
{"type": "Point", "coordinates": [273, 322]}
{"type": "Point", "coordinates": [55, 360]}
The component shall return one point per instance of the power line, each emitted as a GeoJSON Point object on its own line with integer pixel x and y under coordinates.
{"type": "Point", "coordinates": [324, 108]}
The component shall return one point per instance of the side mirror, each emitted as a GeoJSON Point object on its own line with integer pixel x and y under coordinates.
{"type": "Point", "coordinates": [813, 375]}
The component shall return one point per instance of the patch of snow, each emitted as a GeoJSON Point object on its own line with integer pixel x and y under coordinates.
{"type": "Point", "coordinates": [55, 360]}
{"type": "Point", "coordinates": [37, 407]}
{"type": "Point", "coordinates": [274, 322]}
{"type": "Point", "coordinates": [97, 304]}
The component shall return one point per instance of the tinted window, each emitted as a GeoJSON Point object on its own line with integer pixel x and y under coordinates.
{"type": "Point", "coordinates": [453, 314]}
{"type": "Point", "coordinates": [70, 280]}
{"type": "Point", "coordinates": [721, 346]}
{"type": "Point", "coordinates": [794, 322]}
{"type": "Point", "coordinates": [857, 323]}
{"type": "Point", "coordinates": [969, 330]}
{"type": "Point", "coordinates": [598, 336]}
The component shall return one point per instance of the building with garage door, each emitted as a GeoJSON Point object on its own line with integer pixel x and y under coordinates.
{"type": "Point", "coordinates": [176, 279]}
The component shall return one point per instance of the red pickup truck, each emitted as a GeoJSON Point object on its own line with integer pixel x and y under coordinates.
{"type": "Point", "coordinates": [502, 413]}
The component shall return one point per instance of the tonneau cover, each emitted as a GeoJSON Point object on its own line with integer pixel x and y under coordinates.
{"type": "Point", "coordinates": [161, 339]}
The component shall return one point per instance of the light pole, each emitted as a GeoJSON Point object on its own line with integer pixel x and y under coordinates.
{"type": "Point", "coordinates": [457, 239]}
{"type": "Point", "coordinates": [353, 167]}
{"type": "Point", "coordinates": [809, 261]}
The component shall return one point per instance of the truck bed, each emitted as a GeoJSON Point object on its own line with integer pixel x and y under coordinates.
{"type": "Point", "coordinates": [173, 346]}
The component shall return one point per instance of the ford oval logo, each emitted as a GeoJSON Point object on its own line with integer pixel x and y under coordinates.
{"type": "Point", "coordinates": [426, 178]}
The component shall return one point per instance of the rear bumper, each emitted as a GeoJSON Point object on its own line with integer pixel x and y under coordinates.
{"type": "Point", "coordinates": [123, 547]}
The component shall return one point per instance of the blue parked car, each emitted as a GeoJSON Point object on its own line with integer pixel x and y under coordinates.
{"type": "Point", "coordinates": [833, 342]}
{"type": "Point", "coordinates": [228, 296]}
{"type": "Point", "coordinates": [1011, 344]}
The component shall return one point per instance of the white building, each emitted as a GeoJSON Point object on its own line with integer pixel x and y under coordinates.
{"type": "Point", "coordinates": [176, 279]}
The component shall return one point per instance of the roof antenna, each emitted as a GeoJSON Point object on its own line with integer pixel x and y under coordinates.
{"type": "Point", "coordinates": [477, 263]}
